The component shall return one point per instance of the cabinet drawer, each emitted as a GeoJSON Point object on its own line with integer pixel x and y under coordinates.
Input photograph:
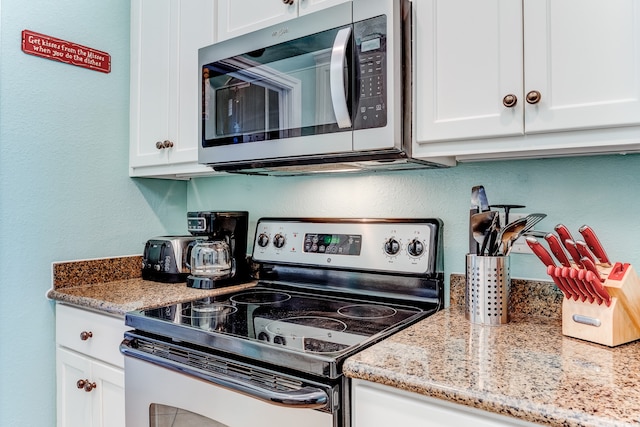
{"type": "Point", "coordinates": [103, 333]}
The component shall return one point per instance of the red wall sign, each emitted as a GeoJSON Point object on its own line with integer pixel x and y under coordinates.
{"type": "Point", "coordinates": [64, 51]}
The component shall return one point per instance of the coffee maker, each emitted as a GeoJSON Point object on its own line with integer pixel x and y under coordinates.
{"type": "Point", "coordinates": [219, 255]}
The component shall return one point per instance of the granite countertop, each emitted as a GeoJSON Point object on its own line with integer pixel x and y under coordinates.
{"type": "Point", "coordinates": [115, 286]}
{"type": "Point", "coordinates": [525, 368]}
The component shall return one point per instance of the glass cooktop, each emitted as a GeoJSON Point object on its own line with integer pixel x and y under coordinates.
{"type": "Point", "coordinates": [284, 319]}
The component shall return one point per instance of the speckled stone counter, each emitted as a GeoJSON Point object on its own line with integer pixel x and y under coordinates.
{"type": "Point", "coordinates": [115, 286]}
{"type": "Point", "coordinates": [525, 368]}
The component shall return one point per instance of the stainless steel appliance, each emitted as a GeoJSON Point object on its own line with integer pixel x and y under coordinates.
{"type": "Point", "coordinates": [166, 259]}
{"type": "Point", "coordinates": [272, 355]}
{"type": "Point", "coordinates": [219, 257]}
{"type": "Point", "coordinates": [329, 91]}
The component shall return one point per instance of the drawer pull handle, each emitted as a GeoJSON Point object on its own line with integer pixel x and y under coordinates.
{"type": "Point", "coordinates": [86, 385]}
{"type": "Point", "coordinates": [84, 335]}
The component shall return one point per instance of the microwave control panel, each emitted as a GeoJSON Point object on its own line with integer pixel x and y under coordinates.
{"type": "Point", "coordinates": [371, 60]}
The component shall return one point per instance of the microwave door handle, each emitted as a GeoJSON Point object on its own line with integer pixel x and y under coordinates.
{"type": "Point", "coordinates": [336, 78]}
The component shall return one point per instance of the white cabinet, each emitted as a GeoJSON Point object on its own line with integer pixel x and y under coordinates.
{"type": "Point", "coordinates": [165, 38]}
{"type": "Point", "coordinates": [375, 405]}
{"type": "Point", "coordinates": [480, 65]}
{"type": "Point", "coordinates": [89, 368]}
{"type": "Point", "coordinates": [241, 17]}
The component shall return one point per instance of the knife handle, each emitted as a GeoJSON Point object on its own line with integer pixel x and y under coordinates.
{"type": "Point", "coordinates": [571, 286]}
{"type": "Point", "coordinates": [540, 251]}
{"type": "Point", "coordinates": [594, 244]}
{"type": "Point", "coordinates": [580, 290]}
{"type": "Point", "coordinates": [591, 266]}
{"type": "Point", "coordinates": [559, 281]}
{"type": "Point", "coordinates": [557, 250]}
{"type": "Point", "coordinates": [584, 251]}
{"type": "Point", "coordinates": [582, 274]}
{"type": "Point", "coordinates": [598, 287]}
{"type": "Point", "coordinates": [570, 245]}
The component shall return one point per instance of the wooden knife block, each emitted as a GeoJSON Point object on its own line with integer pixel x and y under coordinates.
{"type": "Point", "coordinates": [619, 323]}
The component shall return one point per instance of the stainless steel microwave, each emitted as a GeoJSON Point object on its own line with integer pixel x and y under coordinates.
{"type": "Point", "coordinates": [328, 91]}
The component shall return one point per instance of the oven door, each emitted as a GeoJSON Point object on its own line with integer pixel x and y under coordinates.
{"type": "Point", "coordinates": [156, 396]}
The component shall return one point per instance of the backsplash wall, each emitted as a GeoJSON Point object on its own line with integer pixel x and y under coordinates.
{"type": "Point", "coordinates": [602, 191]}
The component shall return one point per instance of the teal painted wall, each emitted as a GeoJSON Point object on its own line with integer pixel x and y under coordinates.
{"type": "Point", "coordinates": [64, 187]}
{"type": "Point", "coordinates": [602, 191]}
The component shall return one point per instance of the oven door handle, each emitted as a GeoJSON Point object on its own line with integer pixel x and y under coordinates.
{"type": "Point", "coordinates": [336, 78]}
{"type": "Point", "coordinates": [305, 397]}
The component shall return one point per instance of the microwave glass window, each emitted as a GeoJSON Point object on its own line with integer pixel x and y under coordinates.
{"type": "Point", "coordinates": [281, 91]}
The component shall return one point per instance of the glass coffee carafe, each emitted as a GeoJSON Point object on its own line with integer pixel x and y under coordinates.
{"type": "Point", "coordinates": [212, 259]}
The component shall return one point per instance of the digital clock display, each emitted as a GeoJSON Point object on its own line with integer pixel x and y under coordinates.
{"type": "Point", "coordinates": [337, 244]}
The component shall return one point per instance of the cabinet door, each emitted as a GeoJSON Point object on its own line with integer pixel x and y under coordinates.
{"type": "Point", "coordinates": [468, 58]}
{"type": "Point", "coordinates": [583, 56]}
{"type": "Point", "coordinates": [74, 404]}
{"type": "Point", "coordinates": [241, 17]}
{"type": "Point", "coordinates": [381, 406]}
{"type": "Point", "coordinates": [310, 6]}
{"type": "Point", "coordinates": [197, 29]}
{"type": "Point", "coordinates": [108, 400]}
{"type": "Point", "coordinates": [152, 82]}
{"type": "Point", "coordinates": [165, 38]}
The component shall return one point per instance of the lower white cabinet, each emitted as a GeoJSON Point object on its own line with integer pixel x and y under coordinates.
{"type": "Point", "coordinates": [89, 368]}
{"type": "Point", "coordinates": [376, 405]}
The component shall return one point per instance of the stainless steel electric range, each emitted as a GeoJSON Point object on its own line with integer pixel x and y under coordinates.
{"type": "Point", "coordinates": [327, 288]}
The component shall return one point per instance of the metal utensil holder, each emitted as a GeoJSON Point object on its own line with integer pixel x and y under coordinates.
{"type": "Point", "coordinates": [488, 283]}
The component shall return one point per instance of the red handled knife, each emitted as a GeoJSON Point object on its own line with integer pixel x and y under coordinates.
{"type": "Point", "coordinates": [547, 260]}
{"type": "Point", "coordinates": [565, 235]}
{"type": "Point", "coordinates": [572, 275]}
{"type": "Point", "coordinates": [598, 287]}
{"type": "Point", "coordinates": [575, 290]}
{"type": "Point", "coordinates": [594, 244]}
{"type": "Point", "coordinates": [581, 276]}
{"type": "Point", "coordinates": [591, 266]}
{"type": "Point", "coordinates": [584, 251]}
{"type": "Point", "coordinates": [557, 250]}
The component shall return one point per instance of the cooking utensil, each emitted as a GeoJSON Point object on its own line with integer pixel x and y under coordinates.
{"type": "Point", "coordinates": [584, 251]}
{"type": "Point", "coordinates": [556, 248]}
{"type": "Point", "coordinates": [507, 209]}
{"type": "Point", "coordinates": [546, 259]}
{"type": "Point", "coordinates": [574, 274]}
{"type": "Point", "coordinates": [532, 220]}
{"type": "Point", "coordinates": [490, 237]}
{"type": "Point", "coordinates": [565, 235]}
{"type": "Point", "coordinates": [510, 233]}
{"type": "Point", "coordinates": [594, 244]}
{"type": "Point", "coordinates": [598, 287]}
{"type": "Point", "coordinates": [480, 225]}
{"type": "Point", "coordinates": [589, 265]}
{"type": "Point", "coordinates": [475, 208]}
{"type": "Point", "coordinates": [571, 285]}
{"type": "Point", "coordinates": [483, 202]}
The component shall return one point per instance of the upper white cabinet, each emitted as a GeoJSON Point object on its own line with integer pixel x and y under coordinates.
{"type": "Point", "coordinates": [165, 38]}
{"type": "Point", "coordinates": [490, 69]}
{"type": "Point", "coordinates": [237, 17]}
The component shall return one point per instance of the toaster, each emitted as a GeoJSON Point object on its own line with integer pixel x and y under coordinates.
{"type": "Point", "coordinates": [166, 258]}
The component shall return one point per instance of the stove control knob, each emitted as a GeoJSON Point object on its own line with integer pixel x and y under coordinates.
{"type": "Point", "coordinates": [263, 336]}
{"type": "Point", "coordinates": [415, 248]}
{"type": "Point", "coordinates": [392, 246]}
{"type": "Point", "coordinates": [278, 339]}
{"type": "Point", "coordinates": [278, 241]}
{"type": "Point", "coordinates": [263, 240]}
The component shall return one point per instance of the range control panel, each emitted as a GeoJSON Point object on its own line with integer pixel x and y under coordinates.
{"type": "Point", "coordinates": [402, 246]}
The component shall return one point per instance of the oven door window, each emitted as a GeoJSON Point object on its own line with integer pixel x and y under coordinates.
{"type": "Point", "coordinates": [169, 416]}
{"type": "Point", "coordinates": [298, 88]}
